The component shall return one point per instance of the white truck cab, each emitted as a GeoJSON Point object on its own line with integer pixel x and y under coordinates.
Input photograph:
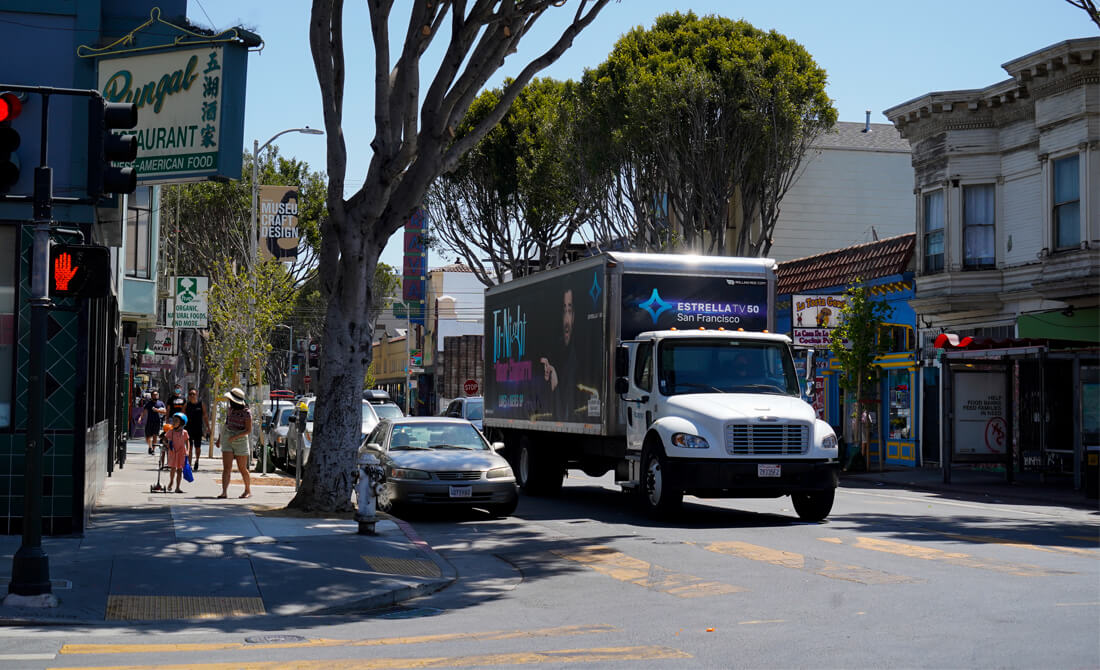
{"type": "Point", "coordinates": [719, 413]}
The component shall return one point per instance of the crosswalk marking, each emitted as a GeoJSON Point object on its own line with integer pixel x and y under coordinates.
{"type": "Point", "coordinates": [988, 539]}
{"type": "Point", "coordinates": [824, 568]}
{"type": "Point", "coordinates": [558, 631]}
{"type": "Point", "coordinates": [954, 558]}
{"type": "Point", "coordinates": [618, 565]}
{"type": "Point", "coordinates": [559, 656]}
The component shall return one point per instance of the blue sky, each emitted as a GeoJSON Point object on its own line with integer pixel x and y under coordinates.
{"type": "Point", "coordinates": [876, 54]}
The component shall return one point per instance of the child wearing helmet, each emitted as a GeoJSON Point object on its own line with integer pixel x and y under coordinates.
{"type": "Point", "coordinates": [177, 442]}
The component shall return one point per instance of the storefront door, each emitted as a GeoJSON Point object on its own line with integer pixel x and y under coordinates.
{"type": "Point", "coordinates": [930, 421]}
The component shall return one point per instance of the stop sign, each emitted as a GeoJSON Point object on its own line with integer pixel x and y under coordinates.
{"type": "Point", "coordinates": [470, 387]}
{"type": "Point", "coordinates": [308, 379]}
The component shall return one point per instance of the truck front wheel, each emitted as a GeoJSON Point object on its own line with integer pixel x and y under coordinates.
{"type": "Point", "coordinates": [813, 506]}
{"type": "Point", "coordinates": [657, 495]}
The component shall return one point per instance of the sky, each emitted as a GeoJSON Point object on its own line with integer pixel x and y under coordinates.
{"type": "Point", "coordinates": [876, 54]}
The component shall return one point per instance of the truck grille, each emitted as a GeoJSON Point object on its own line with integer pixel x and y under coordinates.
{"type": "Point", "coordinates": [458, 476]}
{"type": "Point", "coordinates": [783, 439]}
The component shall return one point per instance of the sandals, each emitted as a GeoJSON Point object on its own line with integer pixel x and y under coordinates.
{"type": "Point", "coordinates": [222, 496]}
{"type": "Point", "coordinates": [245, 495]}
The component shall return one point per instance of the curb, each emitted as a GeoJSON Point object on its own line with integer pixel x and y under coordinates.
{"type": "Point", "coordinates": [976, 495]}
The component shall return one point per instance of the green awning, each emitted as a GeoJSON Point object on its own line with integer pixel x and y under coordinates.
{"type": "Point", "coordinates": [1082, 326]}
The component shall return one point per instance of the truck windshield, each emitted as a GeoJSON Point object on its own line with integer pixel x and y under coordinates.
{"type": "Point", "coordinates": [725, 366]}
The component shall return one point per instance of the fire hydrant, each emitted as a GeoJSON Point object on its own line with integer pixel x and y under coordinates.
{"type": "Point", "coordinates": [371, 478]}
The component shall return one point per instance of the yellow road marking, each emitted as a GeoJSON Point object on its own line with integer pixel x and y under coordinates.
{"type": "Point", "coordinates": [955, 558]}
{"type": "Point", "coordinates": [618, 565]}
{"type": "Point", "coordinates": [833, 540]}
{"type": "Point", "coordinates": [987, 539]}
{"type": "Point", "coordinates": [321, 642]}
{"type": "Point", "coordinates": [787, 559]}
{"type": "Point", "coordinates": [644, 653]}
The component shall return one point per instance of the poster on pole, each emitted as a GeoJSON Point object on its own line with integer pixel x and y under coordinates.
{"type": "Point", "coordinates": [980, 428]}
{"type": "Point", "coordinates": [278, 222]}
{"type": "Point", "coordinates": [188, 306]}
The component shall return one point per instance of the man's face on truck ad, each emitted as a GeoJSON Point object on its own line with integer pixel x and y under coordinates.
{"type": "Point", "coordinates": [567, 315]}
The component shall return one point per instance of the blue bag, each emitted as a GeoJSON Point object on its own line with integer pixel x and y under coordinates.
{"type": "Point", "coordinates": [187, 474]}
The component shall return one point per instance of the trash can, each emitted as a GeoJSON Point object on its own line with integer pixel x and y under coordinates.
{"type": "Point", "coordinates": [1092, 472]}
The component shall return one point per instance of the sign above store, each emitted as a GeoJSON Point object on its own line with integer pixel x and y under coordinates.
{"type": "Point", "coordinates": [813, 318]}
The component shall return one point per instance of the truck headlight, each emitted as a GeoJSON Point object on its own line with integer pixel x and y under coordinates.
{"type": "Point", "coordinates": [408, 473]}
{"type": "Point", "coordinates": [686, 441]}
{"type": "Point", "coordinates": [829, 442]}
{"type": "Point", "coordinates": [500, 473]}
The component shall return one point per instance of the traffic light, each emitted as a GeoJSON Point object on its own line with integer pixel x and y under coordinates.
{"type": "Point", "coordinates": [10, 107]}
{"type": "Point", "coordinates": [79, 271]}
{"type": "Point", "coordinates": [105, 147]}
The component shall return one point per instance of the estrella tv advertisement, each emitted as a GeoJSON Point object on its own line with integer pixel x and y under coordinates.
{"type": "Point", "coordinates": [663, 302]}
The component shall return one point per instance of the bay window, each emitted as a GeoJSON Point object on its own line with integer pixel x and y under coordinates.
{"type": "Point", "coordinates": [1067, 203]}
{"type": "Point", "coordinates": [932, 232]}
{"type": "Point", "coordinates": [978, 231]}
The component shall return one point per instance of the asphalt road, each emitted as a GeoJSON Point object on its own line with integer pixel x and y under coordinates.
{"type": "Point", "coordinates": [895, 578]}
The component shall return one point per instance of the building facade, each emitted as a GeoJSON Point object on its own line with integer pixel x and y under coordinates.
{"type": "Point", "coordinates": [1007, 190]}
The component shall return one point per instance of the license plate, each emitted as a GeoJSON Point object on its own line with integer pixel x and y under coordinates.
{"type": "Point", "coordinates": [767, 470]}
{"type": "Point", "coordinates": [462, 491]}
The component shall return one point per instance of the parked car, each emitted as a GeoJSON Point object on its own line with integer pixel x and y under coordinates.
{"type": "Point", "coordinates": [472, 409]}
{"type": "Point", "coordinates": [441, 461]}
{"type": "Point", "coordinates": [274, 428]}
{"type": "Point", "coordinates": [384, 406]}
{"type": "Point", "coordinates": [304, 438]}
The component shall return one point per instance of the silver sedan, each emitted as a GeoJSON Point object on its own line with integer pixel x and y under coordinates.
{"type": "Point", "coordinates": [441, 461]}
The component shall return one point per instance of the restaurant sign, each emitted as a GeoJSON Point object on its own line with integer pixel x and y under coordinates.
{"type": "Point", "coordinates": [813, 318]}
{"type": "Point", "coordinates": [190, 110]}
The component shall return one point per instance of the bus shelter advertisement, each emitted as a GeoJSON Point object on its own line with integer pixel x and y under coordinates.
{"type": "Point", "coordinates": [663, 302]}
{"type": "Point", "coordinates": [545, 345]}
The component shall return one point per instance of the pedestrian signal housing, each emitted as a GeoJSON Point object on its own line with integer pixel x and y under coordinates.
{"type": "Point", "coordinates": [10, 107]}
{"type": "Point", "coordinates": [106, 147]}
{"type": "Point", "coordinates": [80, 271]}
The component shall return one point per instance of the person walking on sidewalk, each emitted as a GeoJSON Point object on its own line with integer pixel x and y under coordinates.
{"type": "Point", "coordinates": [154, 416]}
{"type": "Point", "coordinates": [197, 418]}
{"type": "Point", "coordinates": [237, 428]}
{"type": "Point", "coordinates": [177, 442]}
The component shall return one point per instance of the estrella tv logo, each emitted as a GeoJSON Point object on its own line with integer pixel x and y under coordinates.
{"type": "Point", "coordinates": [655, 306]}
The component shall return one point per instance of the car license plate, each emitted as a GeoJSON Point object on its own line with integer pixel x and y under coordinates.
{"type": "Point", "coordinates": [767, 470]}
{"type": "Point", "coordinates": [462, 491]}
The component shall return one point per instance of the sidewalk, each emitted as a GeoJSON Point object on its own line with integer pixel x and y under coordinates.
{"type": "Point", "coordinates": [971, 484]}
{"type": "Point", "coordinates": [185, 556]}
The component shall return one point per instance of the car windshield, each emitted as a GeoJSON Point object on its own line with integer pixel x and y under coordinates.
{"type": "Point", "coordinates": [284, 415]}
{"type": "Point", "coordinates": [436, 435]}
{"type": "Point", "coordinates": [309, 412]}
{"type": "Point", "coordinates": [368, 413]}
{"type": "Point", "coordinates": [475, 410]}
{"type": "Point", "coordinates": [726, 366]}
{"type": "Point", "coordinates": [388, 411]}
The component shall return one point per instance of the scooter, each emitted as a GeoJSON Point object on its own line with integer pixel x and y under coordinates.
{"type": "Point", "coordinates": [158, 488]}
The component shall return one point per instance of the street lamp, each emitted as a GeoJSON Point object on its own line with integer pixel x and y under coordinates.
{"type": "Point", "coordinates": [256, 149]}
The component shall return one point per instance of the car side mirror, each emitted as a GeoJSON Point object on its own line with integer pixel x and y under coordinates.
{"type": "Point", "coordinates": [497, 446]}
{"type": "Point", "coordinates": [621, 385]}
{"type": "Point", "coordinates": [374, 446]}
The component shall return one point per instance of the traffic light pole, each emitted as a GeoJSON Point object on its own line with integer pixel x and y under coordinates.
{"type": "Point", "coordinates": [30, 569]}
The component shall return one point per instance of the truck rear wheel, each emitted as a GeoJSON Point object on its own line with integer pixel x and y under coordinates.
{"type": "Point", "coordinates": [655, 492]}
{"type": "Point", "coordinates": [537, 473]}
{"type": "Point", "coordinates": [813, 506]}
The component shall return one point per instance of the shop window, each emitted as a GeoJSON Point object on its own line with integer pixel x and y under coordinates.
{"type": "Point", "coordinates": [932, 242]}
{"type": "Point", "coordinates": [901, 415]}
{"type": "Point", "coordinates": [895, 338]}
{"type": "Point", "coordinates": [978, 232]}
{"type": "Point", "coordinates": [1067, 203]}
{"type": "Point", "coordinates": [7, 326]}
{"type": "Point", "coordinates": [1090, 405]}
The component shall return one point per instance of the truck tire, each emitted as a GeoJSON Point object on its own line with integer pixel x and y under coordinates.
{"type": "Point", "coordinates": [813, 506]}
{"type": "Point", "coordinates": [657, 498]}
{"type": "Point", "coordinates": [536, 473]}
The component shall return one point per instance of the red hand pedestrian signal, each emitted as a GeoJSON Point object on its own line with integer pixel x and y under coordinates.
{"type": "Point", "coordinates": [63, 271]}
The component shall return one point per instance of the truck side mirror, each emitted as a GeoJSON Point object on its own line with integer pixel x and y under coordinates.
{"type": "Point", "coordinates": [621, 385]}
{"type": "Point", "coordinates": [622, 363]}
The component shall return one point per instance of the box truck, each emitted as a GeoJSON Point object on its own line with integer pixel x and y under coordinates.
{"type": "Point", "coordinates": [661, 368]}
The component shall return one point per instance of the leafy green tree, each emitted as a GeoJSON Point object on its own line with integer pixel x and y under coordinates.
{"type": "Point", "coordinates": [412, 145]}
{"type": "Point", "coordinates": [692, 115]}
{"type": "Point", "coordinates": [856, 343]}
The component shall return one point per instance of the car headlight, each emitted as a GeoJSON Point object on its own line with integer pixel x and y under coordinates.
{"type": "Point", "coordinates": [500, 473]}
{"type": "Point", "coordinates": [686, 441]}
{"type": "Point", "coordinates": [408, 473]}
{"type": "Point", "coordinates": [829, 442]}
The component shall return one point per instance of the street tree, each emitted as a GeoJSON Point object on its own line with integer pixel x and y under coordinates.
{"type": "Point", "coordinates": [693, 115]}
{"type": "Point", "coordinates": [1089, 7]}
{"type": "Point", "coordinates": [516, 199]}
{"type": "Point", "coordinates": [856, 342]}
{"type": "Point", "coordinates": [412, 145]}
